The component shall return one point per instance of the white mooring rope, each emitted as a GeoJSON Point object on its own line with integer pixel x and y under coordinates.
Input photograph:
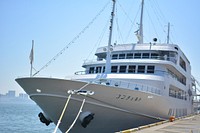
{"type": "Point", "coordinates": [80, 110]}
{"type": "Point", "coordinates": [59, 121]}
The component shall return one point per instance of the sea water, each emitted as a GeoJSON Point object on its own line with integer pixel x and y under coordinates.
{"type": "Point", "coordinates": [21, 116]}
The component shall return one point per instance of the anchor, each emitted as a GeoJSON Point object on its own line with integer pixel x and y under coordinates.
{"type": "Point", "coordinates": [44, 119]}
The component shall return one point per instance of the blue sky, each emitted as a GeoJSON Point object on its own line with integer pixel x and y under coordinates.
{"type": "Point", "coordinates": [54, 23]}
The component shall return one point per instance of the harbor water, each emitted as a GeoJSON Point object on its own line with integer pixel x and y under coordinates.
{"type": "Point", "coordinates": [20, 116]}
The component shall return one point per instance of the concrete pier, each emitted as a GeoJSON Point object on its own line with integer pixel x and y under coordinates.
{"type": "Point", "coordinates": [190, 124]}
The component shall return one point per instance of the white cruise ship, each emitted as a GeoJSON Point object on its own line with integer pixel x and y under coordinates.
{"type": "Point", "coordinates": [128, 85]}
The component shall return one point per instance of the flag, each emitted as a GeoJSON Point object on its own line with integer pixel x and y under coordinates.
{"type": "Point", "coordinates": [137, 35]}
{"type": "Point", "coordinates": [31, 53]}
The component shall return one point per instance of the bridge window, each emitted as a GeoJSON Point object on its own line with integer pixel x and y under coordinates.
{"type": "Point", "coordinates": [114, 69]}
{"type": "Point", "coordinates": [91, 70]}
{"type": "Point", "coordinates": [122, 69]}
{"type": "Point", "coordinates": [98, 69]}
{"type": "Point", "coordinates": [145, 55]}
{"type": "Point", "coordinates": [154, 55]}
{"type": "Point", "coordinates": [121, 56]}
{"type": "Point", "coordinates": [131, 69]}
{"type": "Point", "coordinates": [115, 56]}
{"type": "Point", "coordinates": [137, 55]}
{"type": "Point", "coordinates": [141, 69]}
{"type": "Point", "coordinates": [104, 69]}
{"type": "Point", "coordinates": [150, 69]}
{"type": "Point", "coordinates": [129, 56]}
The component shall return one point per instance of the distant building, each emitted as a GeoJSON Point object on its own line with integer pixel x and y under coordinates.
{"type": "Point", "coordinates": [23, 95]}
{"type": "Point", "coordinates": [10, 94]}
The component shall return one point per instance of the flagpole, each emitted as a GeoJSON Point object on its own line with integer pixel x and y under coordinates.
{"type": "Point", "coordinates": [31, 58]}
{"type": "Point", "coordinates": [31, 70]}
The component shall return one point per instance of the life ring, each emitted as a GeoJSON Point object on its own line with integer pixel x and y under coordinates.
{"type": "Point", "coordinates": [171, 118]}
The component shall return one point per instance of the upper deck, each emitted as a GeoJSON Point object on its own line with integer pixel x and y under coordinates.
{"type": "Point", "coordinates": [142, 53]}
{"type": "Point", "coordinates": [135, 47]}
{"type": "Point", "coordinates": [145, 58]}
{"type": "Point", "coordinates": [160, 49]}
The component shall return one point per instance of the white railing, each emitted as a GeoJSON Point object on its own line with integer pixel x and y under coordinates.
{"type": "Point", "coordinates": [167, 58]}
{"type": "Point", "coordinates": [129, 85]}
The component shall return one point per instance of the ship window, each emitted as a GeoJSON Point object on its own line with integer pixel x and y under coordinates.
{"type": "Point", "coordinates": [145, 55]}
{"type": "Point", "coordinates": [172, 92]}
{"type": "Point", "coordinates": [129, 56]}
{"type": "Point", "coordinates": [114, 69]}
{"type": "Point", "coordinates": [137, 55]}
{"type": "Point", "coordinates": [173, 57]}
{"type": "Point", "coordinates": [150, 69]}
{"type": "Point", "coordinates": [121, 56]}
{"type": "Point", "coordinates": [185, 96]}
{"type": "Point", "coordinates": [183, 80]}
{"type": "Point", "coordinates": [114, 56]}
{"type": "Point", "coordinates": [154, 55]}
{"type": "Point", "coordinates": [122, 69]}
{"type": "Point", "coordinates": [182, 63]}
{"type": "Point", "coordinates": [91, 70]}
{"type": "Point", "coordinates": [131, 69]}
{"type": "Point", "coordinates": [99, 59]}
{"type": "Point", "coordinates": [141, 69]}
{"type": "Point", "coordinates": [177, 93]}
{"type": "Point", "coordinates": [98, 69]}
{"type": "Point", "coordinates": [103, 69]}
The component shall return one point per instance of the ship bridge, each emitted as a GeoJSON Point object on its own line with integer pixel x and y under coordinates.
{"type": "Point", "coordinates": [135, 47]}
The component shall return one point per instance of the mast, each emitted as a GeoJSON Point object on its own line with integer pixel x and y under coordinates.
{"type": "Point", "coordinates": [108, 55]}
{"type": "Point", "coordinates": [141, 25]}
{"type": "Point", "coordinates": [168, 33]}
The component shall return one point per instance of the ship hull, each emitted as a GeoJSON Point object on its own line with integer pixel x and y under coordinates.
{"type": "Point", "coordinates": [106, 119]}
{"type": "Point", "coordinates": [113, 108]}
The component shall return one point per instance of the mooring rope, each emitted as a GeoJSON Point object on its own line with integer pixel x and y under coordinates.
{"type": "Point", "coordinates": [73, 40]}
{"type": "Point", "coordinates": [80, 110]}
{"type": "Point", "coordinates": [61, 116]}
{"type": "Point", "coordinates": [63, 111]}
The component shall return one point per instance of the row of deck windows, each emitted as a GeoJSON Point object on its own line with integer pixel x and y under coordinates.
{"type": "Point", "coordinates": [162, 55]}
{"type": "Point", "coordinates": [135, 56]}
{"type": "Point", "coordinates": [170, 56]}
{"type": "Point", "coordinates": [181, 79]}
{"type": "Point", "coordinates": [124, 69]}
{"type": "Point", "coordinates": [180, 94]}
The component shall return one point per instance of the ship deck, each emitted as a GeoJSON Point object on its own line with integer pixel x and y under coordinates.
{"type": "Point", "coordinates": [189, 124]}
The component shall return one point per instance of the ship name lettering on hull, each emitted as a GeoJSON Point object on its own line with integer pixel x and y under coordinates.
{"type": "Point", "coordinates": [128, 98]}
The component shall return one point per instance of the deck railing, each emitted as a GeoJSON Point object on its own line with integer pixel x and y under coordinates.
{"type": "Point", "coordinates": [129, 85]}
{"type": "Point", "coordinates": [167, 58]}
